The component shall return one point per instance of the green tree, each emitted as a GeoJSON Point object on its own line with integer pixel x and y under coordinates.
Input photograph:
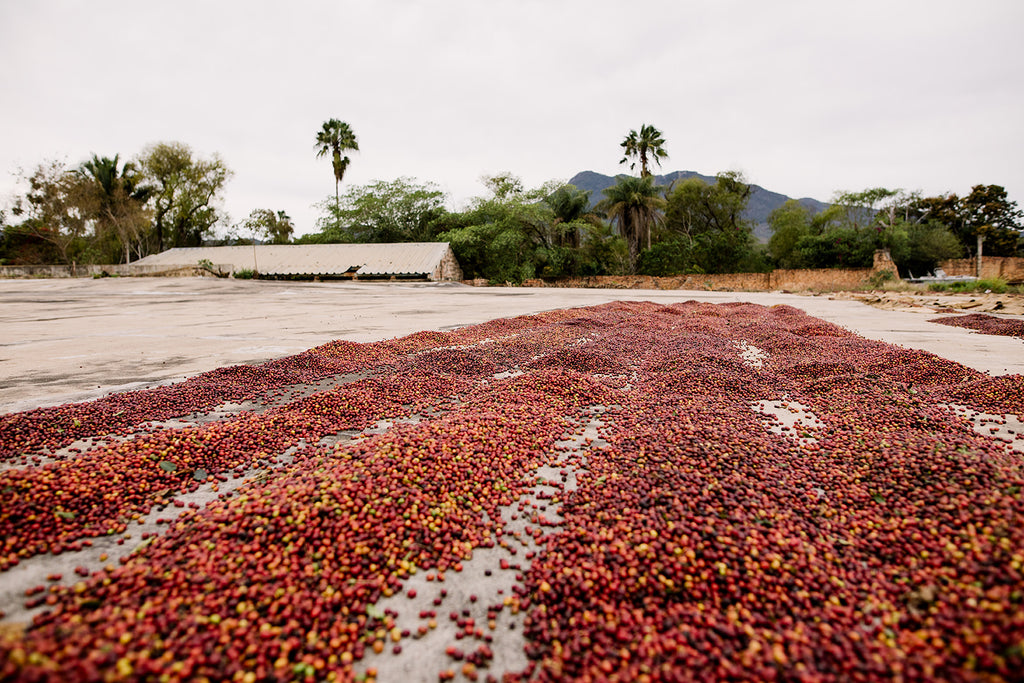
{"type": "Point", "coordinates": [120, 204]}
{"type": "Point", "coordinates": [499, 236]}
{"type": "Point", "coordinates": [56, 208]}
{"type": "Point", "coordinates": [400, 210]}
{"type": "Point", "coordinates": [928, 244]}
{"type": "Point", "coordinates": [859, 223]}
{"type": "Point", "coordinates": [861, 209]}
{"type": "Point", "coordinates": [573, 217]}
{"type": "Point", "coordinates": [670, 255]}
{"type": "Point", "coordinates": [708, 220]}
{"type": "Point", "coordinates": [635, 205]}
{"type": "Point", "coordinates": [334, 138]}
{"type": "Point", "coordinates": [986, 212]}
{"type": "Point", "coordinates": [788, 223]}
{"type": "Point", "coordinates": [268, 226]}
{"type": "Point", "coordinates": [185, 193]}
{"type": "Point", "coordinates": [852, 228]}
{"type": "Point", "coordinates": [989, 213]}
{"type": "Point", "coordinates": [917, 241]}
{"type": "Point", "coordinates": [648, 142]}
{"type": "Point", "coordinates": [837, 247]}
{"type": "Point", "coordinates": [514, 235]}
{"type": "Point", "coordinates": [601, 252]}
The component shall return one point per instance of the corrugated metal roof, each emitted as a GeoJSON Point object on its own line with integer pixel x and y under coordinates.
{"type": "Point", "coordinates": [408, 259]}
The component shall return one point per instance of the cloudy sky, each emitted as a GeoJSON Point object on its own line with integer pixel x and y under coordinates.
{"type": "Point", "coordinates": [804, 97]}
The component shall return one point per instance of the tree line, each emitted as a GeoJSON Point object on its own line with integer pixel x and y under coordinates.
{"type": "Point", "coordinates": [515, 233]}
{"type": "Point", "coordinates": [106, 211]}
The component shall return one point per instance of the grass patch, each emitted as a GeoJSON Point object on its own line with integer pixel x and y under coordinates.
{"type": "Point", "coordinates": [993, 284]}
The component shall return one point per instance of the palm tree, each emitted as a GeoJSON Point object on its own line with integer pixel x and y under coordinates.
{"type": "Point", "coordinates": [281, 232]}
{"type": "Point", "coordinates": [571, 206]}
{"type": "Point", "coordinates": [120, 197]}
{"type": "Point", "coordinates": [635, 204]}
{"type": "Point", "coordinates": [647, 142]}
{"type": "Point", "coordinates": [335, 137]}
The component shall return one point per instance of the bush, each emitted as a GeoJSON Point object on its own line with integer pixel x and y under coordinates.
{"type": "Point", "coordinates": [665, 258]}
{"type": "Point", "coordinates": [992, 284]}
{"type": "Point", "coordinates": [878, 280]}
{"type": "Point", "coordinates": [245, 274]}
{"type": "Point", "coordinates": [926, 247]}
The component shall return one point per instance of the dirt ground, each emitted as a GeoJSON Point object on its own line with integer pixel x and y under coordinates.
{"type": "Point", "coordinates": [939, 302]}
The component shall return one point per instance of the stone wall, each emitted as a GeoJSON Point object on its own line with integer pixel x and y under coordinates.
{"type": "Point", "coordinates": [120, 270]}
{"type": "Point", "coordinates": [1009, 268]}
{"type": "Point", "coordinates": [448, 270]}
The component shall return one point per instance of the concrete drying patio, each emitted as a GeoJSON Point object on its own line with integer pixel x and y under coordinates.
{"type": "Point", "coordinates": [74, 340]}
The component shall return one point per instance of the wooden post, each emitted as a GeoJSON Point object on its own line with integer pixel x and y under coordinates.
{"type": "Point", "coordinates": [981, 240]}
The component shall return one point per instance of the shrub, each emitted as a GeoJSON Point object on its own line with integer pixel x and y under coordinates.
{"type": "Point", "coordinates": [992, 284]}
{"type": "Point", "coordinates": [878, 280]}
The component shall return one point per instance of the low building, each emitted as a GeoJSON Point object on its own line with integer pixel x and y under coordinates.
{"type": "Point", "coordinates": [432, 261]}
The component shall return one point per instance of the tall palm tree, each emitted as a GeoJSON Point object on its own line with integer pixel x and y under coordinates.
{"type": "Point", "coordinates": [333, 139]}
{"type": "Point", "coordinates": [639, 145]}
{"type": "Point", "coordinates": [635, 204]}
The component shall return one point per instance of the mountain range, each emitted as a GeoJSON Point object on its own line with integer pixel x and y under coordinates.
{"type": "Point", "coordinates": [762, 202]}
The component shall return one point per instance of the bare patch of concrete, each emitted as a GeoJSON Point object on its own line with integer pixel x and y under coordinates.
{"type": "Point", "coordinates": [752, 356]}
{"type": "Point", "coordinates": [1007, 429]}
{"type": "Point", "coordinates": [790, 419]}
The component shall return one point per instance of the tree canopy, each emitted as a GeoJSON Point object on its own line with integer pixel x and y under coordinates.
{"type": "Point", "coordinates": [635, 206]}
{"type": "Point", "coordinates": [105, 210]}
{"type": "Point", "coordinates": [638, 146]}
{"type": "Point", "coordinates": [849, 232]}
{"type": "Point", "coordinates": [516, 234]}
{"type": "Point", "coordinates": [334, 138]}
{"type": "Point", "coordinates": [985, 212]}
{"type": "Point", "coordinates": [120, 196]}
{"type": "Point", "coordinates": [270, 227]}
{"type": "Point", "coordinates": [55, 209]}
{"type": "Point", "coordinates": [704, 229]}
{"type": "Point", "coordinates": [185, 192]}
{"type": "Point", "coordinates": [400, 210]}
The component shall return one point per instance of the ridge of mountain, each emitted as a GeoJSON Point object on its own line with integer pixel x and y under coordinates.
{"type": "Point", "coordinates": [761, 204]}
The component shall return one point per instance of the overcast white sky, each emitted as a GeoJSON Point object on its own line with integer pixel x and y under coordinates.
{"type": "Point", "coordinates": [806, 97]}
